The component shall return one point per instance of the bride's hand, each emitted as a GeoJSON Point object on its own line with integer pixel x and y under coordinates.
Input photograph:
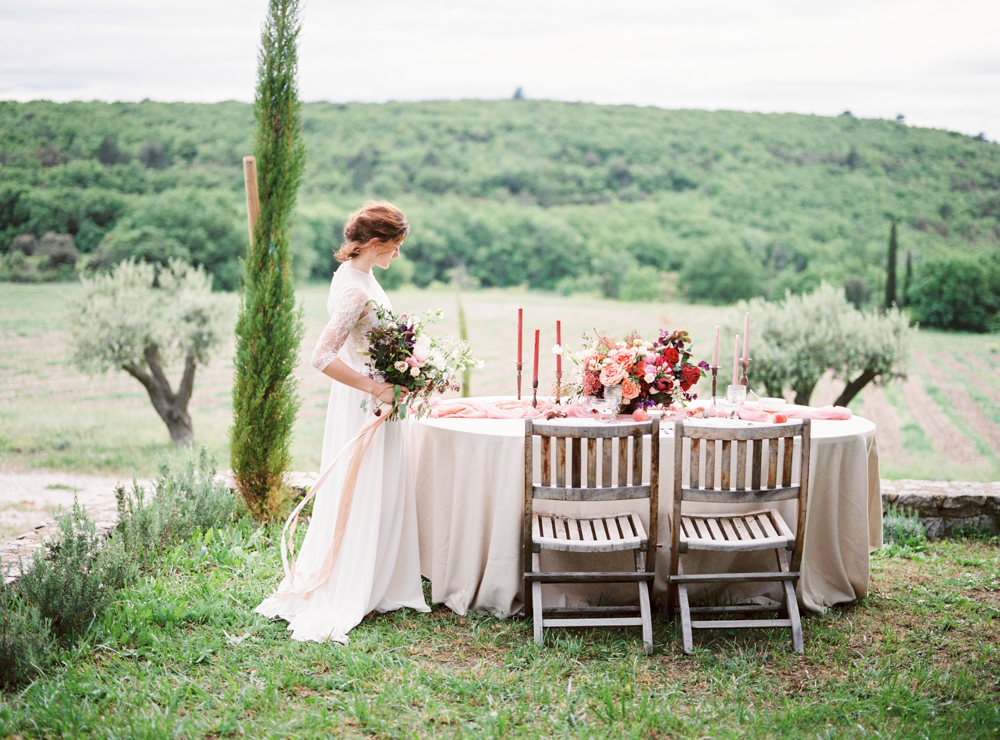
{"type": "Point", "coordinates": [385, 394]}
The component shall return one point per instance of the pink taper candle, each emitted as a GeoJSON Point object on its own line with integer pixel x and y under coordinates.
{"type": "Point", "coordinates": [520, 322]}
{"type": "Point", "coordinates": [736, 361]}
{"type": "Point", "coordinates": [534, 377]}
{"type": "Point", "coordinates": [715, 349]}
{"type": "Point", "coordinates": [559, 342]}
{"type": "Point", "coordinates": [746, 336]}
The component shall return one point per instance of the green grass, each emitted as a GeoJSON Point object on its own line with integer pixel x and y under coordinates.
{"type": "Point", "coordinates": [183, 655]}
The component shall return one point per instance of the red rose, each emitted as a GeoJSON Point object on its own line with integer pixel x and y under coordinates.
{"type": "Point", "coordinates": [670, 356]}
{"type": "Point", "coordinates": [690, 375]}
{"type": "Point", "coordinates": [664, 385]}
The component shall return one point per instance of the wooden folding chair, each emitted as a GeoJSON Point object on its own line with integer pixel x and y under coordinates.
{"type": "Point", "coordinates": [576, 479]}
{"type": "Point", "coordinates": [761, 529]}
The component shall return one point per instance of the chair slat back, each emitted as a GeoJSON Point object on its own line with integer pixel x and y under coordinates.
{"type": "Point", "coordinates": [586, 459]}
{"type": "Point", "coordinates": [592, 463]}
{"type": "Point", "coordinates": [742, 480]}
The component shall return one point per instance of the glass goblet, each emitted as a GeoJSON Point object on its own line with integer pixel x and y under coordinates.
{"type": "Point", "coordinates": [736, 395]}
{"type": "Point", "coordinates": [771, 406]}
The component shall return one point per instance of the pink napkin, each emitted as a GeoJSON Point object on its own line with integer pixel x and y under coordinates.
{"type": "Point", "coordinates": [752, 412]}
{"type": "Point", "coordinates": [473, 408]}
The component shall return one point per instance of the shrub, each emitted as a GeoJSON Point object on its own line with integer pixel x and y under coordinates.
{"type": "Point", "coordinates": [959, 293]}
{"type": "Point", "coordinates": [183, 502]}
{"type": "Point", "coordinates": [201, 226]}
{"type": "Point", "coordinates": [641, 283]}
{"type": "Point", "coordinates": [723, 272]}
{"type": "Point", "coordinates": [73, 578]}
{"type": "Point", "coordinates": [902, 532]}
{"type": "Point", "coordinates": [26, 641]}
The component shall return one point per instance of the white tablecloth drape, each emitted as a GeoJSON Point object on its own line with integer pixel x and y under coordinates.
{"type": "Point", "coordinates": [470, 494]}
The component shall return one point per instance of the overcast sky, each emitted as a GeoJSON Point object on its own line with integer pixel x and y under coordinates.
{"type": "Point", "coordinates": [937, 62]}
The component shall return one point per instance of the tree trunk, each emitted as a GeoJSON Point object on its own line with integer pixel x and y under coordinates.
{"type": "Point", "coordinates": [803, 393]}
{"type": "Point", "coordinates": [171, 407]}
{"type": "Point", "coordinates": [854, 387]}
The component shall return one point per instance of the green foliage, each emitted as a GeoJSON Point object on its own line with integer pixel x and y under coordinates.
{"type": "Point", "coordinates": [890, 282]}
{"type": "Point", "coordinates": [71, 582]}
{"type": "Point", "coordinates": [189, 500]}
{"type": "Point", "coordinates": [26, 641]}
{"type": "Point", "coordinates": [137, 318]}
{"type": "Point", "coordinates": [959, 292]}
{"type": "Point", "coordinates": [723, 272]}
{"type": "Point", "coordinates": [903, 532]}
{"type": "Point", "coordinates": [196, 226]}
{"type": "Point", "coordinates": [74, 578]}
{"type": "Point", "coordinates": [269, 328]}
{"type": "Point", "coordinates": [795, 341]}
{"type": "Point", "coordinates": [119, 316]}
{"type": "Point", "coordinates": [543, 191]}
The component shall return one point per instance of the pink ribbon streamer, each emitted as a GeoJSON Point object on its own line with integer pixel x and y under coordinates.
{"type": "Point", "coordinates": [315, 580]}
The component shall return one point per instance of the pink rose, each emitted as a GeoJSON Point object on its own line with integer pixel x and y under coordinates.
{"type": "Point", "coordinates": [630, 389]}
{"type": "Point", "coordinates": [421, 351]}
{"type": "Point", "coordinates": [612, 374]}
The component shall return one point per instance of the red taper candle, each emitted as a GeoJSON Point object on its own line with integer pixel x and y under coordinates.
{"type": "Point", "coordinates": [534, 377]}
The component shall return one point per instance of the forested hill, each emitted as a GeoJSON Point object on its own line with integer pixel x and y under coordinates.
{"type": "Point", "coordinates": [555, 195]}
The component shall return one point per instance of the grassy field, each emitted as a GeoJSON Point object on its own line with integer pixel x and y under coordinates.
{"type": "Point", "coordinates": [942, 423]}
{"type": "Point", "coordinates": [182, 654]}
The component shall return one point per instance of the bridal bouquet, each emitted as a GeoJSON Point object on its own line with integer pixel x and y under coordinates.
{"type": "Point", "coordinates": [645, 374]}
{"type": "Point", "coordinates": [401, 353]}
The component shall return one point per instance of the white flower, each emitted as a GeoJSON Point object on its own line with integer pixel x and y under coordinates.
{"type": "Point", "coordinates": [391, 325]}
{"type": "Point", "coordinates": [649, 377]}
{"type": "Point", "coordinates": [556, 349]}
{"type": "Point", "coordinates": [480, 364]}
{"type": "Point", "coordinates": [414, 371]}
{"type": "Point", "coordinates": [401, 366]}
{"type": "Point", "coordinates": [653, 390]}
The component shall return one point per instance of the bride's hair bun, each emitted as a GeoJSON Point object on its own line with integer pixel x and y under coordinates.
{"type": "Point", "coordinates": [376, 221]}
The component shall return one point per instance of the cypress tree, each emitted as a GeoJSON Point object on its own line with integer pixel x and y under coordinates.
{"type": "Point", "coordinates": [269, 327]}
{"type": "Point", "coordinates": [890, 283]}
{"type": "Point", "coordinates": [907, 278]}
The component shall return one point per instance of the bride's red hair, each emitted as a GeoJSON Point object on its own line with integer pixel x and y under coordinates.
{"type": "Point", "coordinates": [377, 224]}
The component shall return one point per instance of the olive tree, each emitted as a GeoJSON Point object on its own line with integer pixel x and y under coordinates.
{"type": "Point", "coordinates": [139, 318]}
{"type": "Point", "coordinates": [796, 340]}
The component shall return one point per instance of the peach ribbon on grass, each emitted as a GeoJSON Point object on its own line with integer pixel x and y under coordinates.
{"type": "Point", "coordinates": [364, 439]}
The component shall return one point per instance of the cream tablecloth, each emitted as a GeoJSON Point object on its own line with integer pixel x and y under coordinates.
{"type": "Point", "coordinates": [470, 494]}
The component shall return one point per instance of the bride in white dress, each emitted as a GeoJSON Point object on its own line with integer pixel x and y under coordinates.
{"type": "Point", "coordinates": [378, 566]}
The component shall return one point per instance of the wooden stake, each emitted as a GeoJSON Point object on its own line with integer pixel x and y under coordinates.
{"type": "Point", "coordinates": [253, 201]}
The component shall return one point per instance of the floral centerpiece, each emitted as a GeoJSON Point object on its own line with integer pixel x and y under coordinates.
{"type": "Point", "coordinates": [646, 374]}
{"type": "Point", "coordinates": [401, 353]}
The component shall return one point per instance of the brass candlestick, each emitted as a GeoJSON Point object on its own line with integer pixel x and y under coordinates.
{"type": "Point", "coordinates": [743, 379]}
{"type": "Point", "coordinates": [534, 393]}
{"type": "Point", "coordinates": [558, 387]}
{"type": "Point", "coordinates": [715, 380]}
{"type": "Point", "coordinates": [519, 365]}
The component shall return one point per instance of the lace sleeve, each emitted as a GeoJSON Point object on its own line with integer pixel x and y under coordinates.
{"type": "Point", "coordinates": [348, 309]}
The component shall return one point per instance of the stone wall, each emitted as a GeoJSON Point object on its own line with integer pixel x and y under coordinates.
{"type": "Point", "coordinates": [947, 507]}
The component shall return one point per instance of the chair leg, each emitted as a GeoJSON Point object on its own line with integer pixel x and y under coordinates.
{"type": "Point", "coordinates": [792, 605]}
{"type": "Point", "coordinates": [685, 610]}
{"type": "Point", "coordinates": [644, 610]}
{"type": "Point", "coordinates": [536, 598]}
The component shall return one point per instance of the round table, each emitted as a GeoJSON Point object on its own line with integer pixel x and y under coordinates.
{"type": "Point", "coordinates": [470, 498]}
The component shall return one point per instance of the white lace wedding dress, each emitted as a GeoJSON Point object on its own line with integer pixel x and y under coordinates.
{"type": "Point", "coordinates": [379, 563]}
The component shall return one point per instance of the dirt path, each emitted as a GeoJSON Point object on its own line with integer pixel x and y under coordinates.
{"type": "Point", "coordinates": [30, 499]}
